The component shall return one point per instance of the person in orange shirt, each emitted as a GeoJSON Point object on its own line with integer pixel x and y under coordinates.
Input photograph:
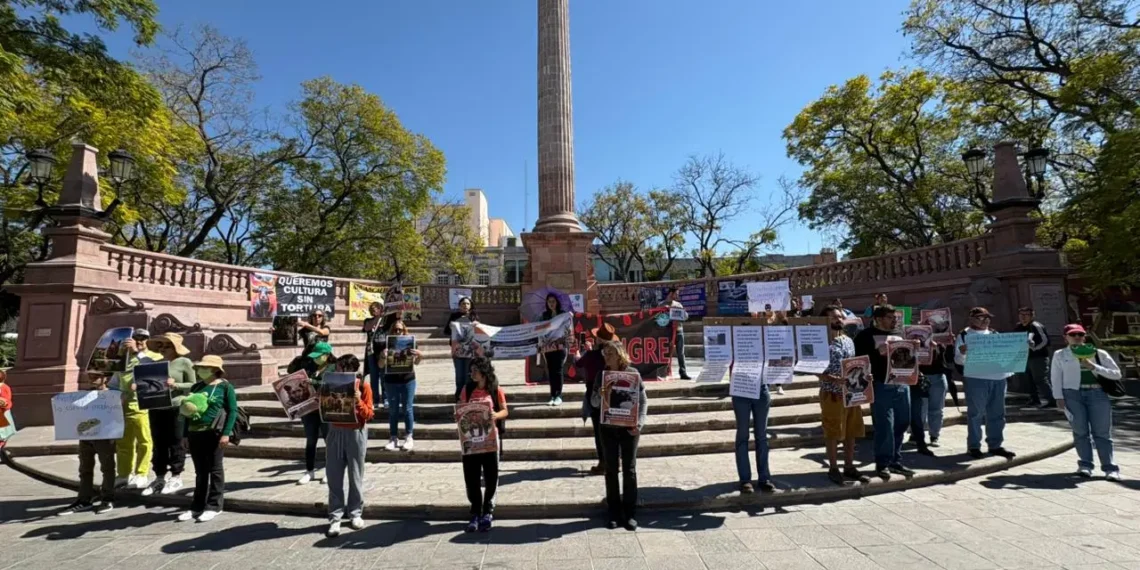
{"type": "Point", "coordinates": [345, 447]}
{"type": "Point", "coordinates": [7, 426]}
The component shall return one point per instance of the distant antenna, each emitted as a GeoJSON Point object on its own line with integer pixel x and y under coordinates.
{"type": "Point", "coordinates": [526, 192]}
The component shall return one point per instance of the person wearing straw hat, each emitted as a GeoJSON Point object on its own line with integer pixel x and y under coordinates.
{"type": "Point", "coordinates": [167, 455]}
{"type": "Point", "coordinates": [208, 416]}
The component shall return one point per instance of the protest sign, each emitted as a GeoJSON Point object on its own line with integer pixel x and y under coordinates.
{"type": "Point", "coordinates": [454, 295]}
{"type": "Point", "coordinates": [649, 297]}
{"type": "Point", "coordinates": [360, 296]}
{"type": "Point", "coordinates": [150, 385]}
{"type": "Point", "coordinates": [578, 303]}
{"type": "Point", "coordinates": [813, 354]}
{"type": "Point", "coordinates": [296, 394]}
{"type": "Point", "coordinates": [395, 298]}
{"type": "Point", "coordinates": [87, 415]}
{"type": "Point", "coordinates": [338, 398]}
{"type": "Point", "coordinates": [747, 362]}
{"type": "Point", "coordinates": [399, 358]}
{"type": "Point", "coordinates": [678, 314]}
{"type": "Point", "coordinates": [806, 302]}
{"type": "Point", "coordinates": [857, 386]}
{"type": "Point", "coordinates": [477, 431]}
{"type": "Point", "coordinates": [262, 295]}
{"type": "Point", "coordinates": [718, 353]}
{"type": "Point", "coordinates": [463, 344]}
{"type": "Point", "coordinates": [939, 322]}
{"type": "Point", "coordinates": [996, 354]}
{"type": "Point", "coordinates": [902, 362]}
{"type": "Point", "coordinates": [779, 354]}
{"type": "Point", "coordinates": [110, 354]}
{"type": "Point", "coordinates": [731, 298]}
{"type": "Point", "coordinates": [692, 298]}
{"type": "Point", "coordinates": [284, 331]}
{"type": "Point", "coordinates": [621, 394]}
{"type": "Point", "coordinates": [769, 295]}
{"type": "Point", "coordinates": [519, 341]}
{"type": "Point", "coordinates": [921, 334]}
{"type": "Point", "coordinates": [299, 296]}
{"type": "Point", "coordinates": [902, 318]}
{"type": "Point", "coordinates": [646, 335]}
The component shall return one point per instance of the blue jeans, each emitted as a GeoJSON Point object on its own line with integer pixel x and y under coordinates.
{"type": "Point", "coordinates": [926, 413]}
{"type": "Point", "coordinates": [401, 395]}
{"type": "Point", "coordinates": [372, 366]}
{"type": "Point", "coordinates": [462, 374]}
{"type": "Point", "coordinates": [1091, 418]}
{"type": "Point", "coordinates": [755, 413]}
{"type": "Point", "coordinates": [985, 401]}
{"type": "Point", "coordinates": [890, 414]}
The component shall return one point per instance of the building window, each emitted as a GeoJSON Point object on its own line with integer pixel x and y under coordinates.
{"type": "Point", "coordinates": [636, 276]}
{"type": "Point", "coordinates": [484, 277]}
{"type": "Point", "coordinates": [442, 278]}
{"type": "Point", "coordinates": [513, 271]}
{"type": "Point", "coordinates": [512, 242]}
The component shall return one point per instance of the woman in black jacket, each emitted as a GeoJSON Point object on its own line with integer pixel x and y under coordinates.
{"type": "Point", "coordinates": [928, 397]}
{"type": "Point", "coordinates": [373, 336]}
{"type": "Point", "coordinates": [555, 359]}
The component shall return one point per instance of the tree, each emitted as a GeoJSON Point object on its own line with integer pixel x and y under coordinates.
{"type": "Point", "coordinates": [883, 166]}
{"type": "Point", "coordinates": [448, 240]}
{"type": "Point", "coordinates": [778, 213]}
{"type": "Point", "coordinates": [667, 232]}
{"type": "Point", "coordinates": [712, 192]}
{"type": "Point", "coordinates": [619, 215]}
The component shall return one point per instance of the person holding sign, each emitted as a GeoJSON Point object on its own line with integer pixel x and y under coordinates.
{"type": "Point", "coordinates": [890, 411]}
{"type": "Point", "coordinates": [590, 365]}
{"type": "Point", "coordinates": [460, 358]}
{"type": "Point", "coordinates": [89, 451]}
{"type": "Point", "coordinates": [345, 448]}
{"type": "Point", "coordinates": [928, 398]}
{"type": "Point", "coordinates": [318, 361]}
{"type": "Point", "coordinates": [619, 442]}
{"type": "Point", "coordinates": [753, 412]}
{"type": "Point", "coordinates": [168, 455]}
{"type": "Point", "coordinates": [315, 330]}
{"type": "Point", "coordinates": [483, 387]}
{"type": "Point", "coordinates": [209, 414]}
{"type": "Point", "coordinates": [374, 335]}
{"type": "Point", "coordinates": [985, 393]}
{"type": "Point", "coordinates": [136, 446]}
{"type": "Point", "coordinates": [672, 302]}
{"type": "Point", "coordinates": [840, 423]}
{"type": "Point", "coordinates": [556, 359]}
{"type": "Point", "coordinates": [1075, 374]}
{"type": "Point", "coordinates": [401, 393]}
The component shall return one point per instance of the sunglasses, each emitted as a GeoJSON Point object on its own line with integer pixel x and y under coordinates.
{"type": "Point", "coordinates": [1076, 335]}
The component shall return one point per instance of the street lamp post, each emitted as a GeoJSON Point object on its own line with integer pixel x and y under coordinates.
{"type": "Point", "coordinates": [1035, 162]}
{"type": "Point", "coordinates": [41, 165]}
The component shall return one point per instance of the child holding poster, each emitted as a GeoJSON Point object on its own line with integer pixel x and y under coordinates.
{"type": "Point", "coordinates": [90, 450]}
{"type": "Point", "coordinates": [483, 388]}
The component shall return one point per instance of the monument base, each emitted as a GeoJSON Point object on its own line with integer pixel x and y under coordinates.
{"type": "Point", "coordinates": [561, 261]}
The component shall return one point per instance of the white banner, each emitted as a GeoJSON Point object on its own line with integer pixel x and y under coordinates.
{"type": "Point", "coordinates": [779, 354]}
{"type": "Point", "coordinates": [718, 353]}
{"type": "Point", "coordinates": [813, 353]}
{"type": "Point", "coordinates": [748, 363]}
{"type": "Point", "coordinates": [88, 415]}
{"type": "Point", "coordinates": [525, 340]}
{"type": "Point", "coordinates": [769, 294]}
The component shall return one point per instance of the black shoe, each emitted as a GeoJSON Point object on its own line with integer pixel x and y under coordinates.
{"type": "Point", "coordinates": [934, 442]}
{"type": "Point", "coordinates": [76, 507]}
{"type": "Point", "coordinates": [883, 474]}
{"type": "Point", "coordinates": [631, 524]}
{"type": "Point", "coordinates": [685, 377]}
{"type": "Point", "coordinates": [835, 476]}
{"type": "Point", "coordinates": [473, 525]}
{"type": "Point", "coordinates": [975, 453]}
{"type": "Point", "coordinates": [766, 486]}
{"type": "Point", "coordinates": [900, 470]}
{"type": "Point", "coordinates": [598, 469]}
{"type": "Point", "coordinates": [612, 525]}
{"type": "Point", "coordinates": [104, 507]}
{"type": "Point", "coordinates": [746, 489]}
{"type": "Point", "coordinates": [925, 450]}
{"type": "Point", "coordinates": [1003, 452]}
{"type": "Point", "coordinates": [854, 475]}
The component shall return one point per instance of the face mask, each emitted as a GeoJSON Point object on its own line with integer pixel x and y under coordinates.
{"type": "Point", "coordinates": [204, 374]}
{"type": "Point", "coordinates": [836, 326]}
{"type": "Point", "coordinates": [322, 360]}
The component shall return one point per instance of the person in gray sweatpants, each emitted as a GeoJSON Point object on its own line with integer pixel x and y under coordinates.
{"type": "Point", "coordinates": [345, 447]}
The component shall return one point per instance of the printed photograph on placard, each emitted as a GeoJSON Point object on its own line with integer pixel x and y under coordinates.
{"type": "Point", "coordinates": [262, 295]}
{"type": "Point", "coordinates": [150, 385]}
{"type": "Point", "coordinates": [338, 398]}
{"type": "Point", "coordinates": [296, 394]}
{"type": "Point", "coordinates": [463, 339]}
{"type": "Point", "coordinates": [477, 431]}
{"type": "Point", "coordinates": [620, 398]}
{"type": "Point", "coordinates": [902, 362]}
{"type": "Point", "coordinates": [939, 322]}
{"type": "Point", "coordinates": [923, 335]}
{"type": "Point", "coordinates": [857, 386]}
{"type": "Point", "coordinates": [284, 331]}
{"type": "Point", "coordinates": [110, 355]}
{"type": "Point", "coordinates": [399, 359]}
{"type": "Point", "coordinates": [87, 415]}
{"type": "Point", "coordinates": [851, 327]}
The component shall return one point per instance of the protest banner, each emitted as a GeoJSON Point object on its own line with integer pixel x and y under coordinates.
{"type": "Point", "coordinates": [477, 431]}
{"type": "Point", "coordinates": [360, 296]}
{"type": "Point", "coordinates": [299, 296]}
{"type": "Point", "coordinates": [765, 295]}
{"type": "Point", "coordinates": [395, 298]}
{"type": "Point", "coordinates": [399, 358]}
{"type": "Point", "coordinates": [621, 394]}
{"type": "Point", "coordinates": [747, 362]}
{"type": "Point", "coordinates": [939, 322]}
{"type": "Point", "coordinates": [996, 354]}
{"type": "Point", "coordinates": [857, 385]}
{"type": "Point", "coordinates": [902, 362]}
{"type": "Point", "coordinates": [921, 334]}
{"type": "Point", "coordinates": [515, 341]}
{"type": "Point", "coordinates": [338, 397]}
{"type": "Point", "coordinates": [691, 296]}
{"type": "Point", "coordinates": [813, 353]}
{"type": "Point", "coordinates": [646, 335]}
{"type": "Point", "coordinates": [87, 415]}
{"type": "Point", "coordinates": [779, 354]}
{"type": "Point", "coordinates": [454, 295]}
{"type": "Point", "coordinates": [297, 395]}
{"type": "Point", "coordinates": [262, 295]}
{"type": "Point", "coordinates": [718, 353]}
{"type": "Point", "coordinates": [731, 298]}
{"type": "Point", "coordinates": [150, 385]}
{"type": "Point", "coordinates": [110, 356]}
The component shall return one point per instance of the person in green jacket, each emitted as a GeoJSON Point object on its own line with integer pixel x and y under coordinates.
{"type": "Point", "coordinates": [168, 456]}
{"type": "Point", "coordinates": [319, 359]}
{"type": "Point", "coordinates": [211, 397]}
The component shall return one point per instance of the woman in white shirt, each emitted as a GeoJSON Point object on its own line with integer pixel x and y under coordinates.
{"type": "Point", "coordinates": [1078, 392]}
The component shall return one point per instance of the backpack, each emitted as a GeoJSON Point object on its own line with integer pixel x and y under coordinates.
{"type": "Point", "coordinates": [241, 425]}
{"type": "Point", "coordinates": [495, 405]}
{"type": "Point", "coordinates": [1112, 388]}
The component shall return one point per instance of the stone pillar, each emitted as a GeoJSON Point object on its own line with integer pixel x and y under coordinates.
{"type": "Point", "coordinates": [555, 120]}
{"type": "Point", "coordinates": [56, 294]}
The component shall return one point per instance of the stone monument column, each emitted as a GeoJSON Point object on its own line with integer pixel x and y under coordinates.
{"type": "Point", "coordinates": [559, 251]}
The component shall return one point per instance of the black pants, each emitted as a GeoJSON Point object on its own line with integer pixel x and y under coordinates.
{"type": "Point", "coordinates": [209, 471]}
{"type": "Point", "coordinates": [679, 347]}
{"type": "Point", "coordinates": [618, 442]}
{"type": "Point", "coordinates": [487, 466]}
{"type": "Point", "coordinates": [168, 453]}
{"type": "Point", "coordinates": [89, 450]}
{"type": "Point", "coordinates": [315, 430]}
{"type": "Point", "coordinates": [596, 422]}
{"type": "Point", "coordinates": [918, 399]}
{"type": "Point", "coordinates": [554, 363]}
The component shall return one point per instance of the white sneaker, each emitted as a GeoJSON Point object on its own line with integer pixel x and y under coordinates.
{"type": "Point", "coordinates": [187, 516]}
{"type": "Point", "coordinates": [393, 444]}
{"type": "Point", "coordinates": [356, 523]}
{"type": "Point", "coordinates": [137, 482]}
{"type": "Point", "coordinates": [1114, 476]}
{"type": "Point", "coordinates": [409, 444]}
{"type": "Point", "coordinates": [550, 403]}
{"type": "Point", "coordinates": [780, 390]}
{"type": "Point", "coordinates": [156, 486]}
{"type": "Point", "coordinates": [1084, 472]}
{"type": "Point", "coordinates": [208, 516]}
{"type": "Point", "coordinates": [173, 485]}
{"type": "Point", "coordinates": [306, 478]}
{"type": "Point", "coordinates": [334, 530]}
{"type": "Point", "coordinates": [319, 475]}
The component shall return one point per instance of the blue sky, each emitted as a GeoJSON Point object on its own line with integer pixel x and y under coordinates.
{"type": "Point", "coordinates": [654, 80]}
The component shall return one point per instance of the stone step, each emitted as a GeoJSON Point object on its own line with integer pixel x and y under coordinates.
{"type": "Point", "coordinates": [534, 490]}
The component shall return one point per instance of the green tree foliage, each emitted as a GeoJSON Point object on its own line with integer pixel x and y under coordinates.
{"type": "Point", "coordinates": [713, 192]}
{"type": "Point", "coordinates": [620, 217]}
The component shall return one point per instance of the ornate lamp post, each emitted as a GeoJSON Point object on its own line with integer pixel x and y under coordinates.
{"type": "Point", "coordinates": [41, 165]}
{"type": "Point", "coordinates": [1035, 162]}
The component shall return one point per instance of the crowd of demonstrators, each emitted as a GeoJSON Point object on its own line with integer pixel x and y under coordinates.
{"type": "Point", "coordinates": [890, 411]}
{"type": "Point", "coordinates": [673, 302]}
{"type": "Point", "coordinates": [840, 423]}
{"type": "Point", "coordinates": [209, 413]}
{"type": "Point", "coordinates": [345, 448]}
{"type": "Point", "coordinates": [1037, 366]}
{"type": "Point", "coordinates": [985, 394]}
{"type": "Point", "coordinates": [7, 424]}
{"type": "Point", "coordinates": [315, 362]}
{"type": "Point", "coordinates": [315, 330]}
{"type": "Point", "coordinates": [483, 385]}
{"type": "Point", "coordinates": [555, 359]}
{"type": "Point", "coordinates": [401, 394]}
{"type": "Point", "coordinates": [134, 449]}
{"type": "Point", "coordinates": [168, 456]}
{"type": "Point", "coordinates": [374, 337]}
{"type": "Point", "coordinates": [619, 443]}
{"type": "Point", "coordinates": [928, 398]}
{"type": "Point", "coordinates": [1077, 391]}
{"type": "Point", "coordinates": [466, 314]}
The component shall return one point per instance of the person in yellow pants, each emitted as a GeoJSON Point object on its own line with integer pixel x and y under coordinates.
{"type": "Point", "coordinates": [134, 449]}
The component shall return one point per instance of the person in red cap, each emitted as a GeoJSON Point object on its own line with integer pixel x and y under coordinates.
{"type": "Point", "coordinates": [1078, 392]}
{"type": "Point", "coordinates": [985, 394]}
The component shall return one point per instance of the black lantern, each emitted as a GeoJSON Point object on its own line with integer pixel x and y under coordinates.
{"type": "Point", "coordinates": [122, 166]}
{"type": "Point", "coordinates": [1036, 159]}
{"type": "Point", "coordinates": [975, 160]}
{"type": "Point", "coordinates": [41, 164]}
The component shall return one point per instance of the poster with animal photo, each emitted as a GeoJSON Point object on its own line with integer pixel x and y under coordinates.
{"type": "Point", "coordinates": [923, 335]}
{"type": "Point", "coordinates": [262, 295]}
{"type": "Point", "coordinates": [110, 354]}
{"type": "Point", "coordinates": [939, 322]}
{"type": "Point", "coordinates": [463, 344]}
{"type": "Point", "coordinates": [150, 385]}
{"type": "Point", "coordinates": [284, 331]}
{"type": "Point", "coordinates": [902, 362]}
{"type": "Point", "coordinates": [857, 386]}
{"type": "Point", "coordinates": [621, 393]}
{"type": "Point", "coordinates": [338, 398]}
{"type": "Point", "coordinates": [399, 359]}
{"type": "Point", "coordinates": [296, 394]}
{"type": "Point", "coordinates": [477, 431]}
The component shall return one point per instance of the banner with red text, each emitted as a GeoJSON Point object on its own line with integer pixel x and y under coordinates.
{"type": "Point", "coordinates": [647, 336]}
